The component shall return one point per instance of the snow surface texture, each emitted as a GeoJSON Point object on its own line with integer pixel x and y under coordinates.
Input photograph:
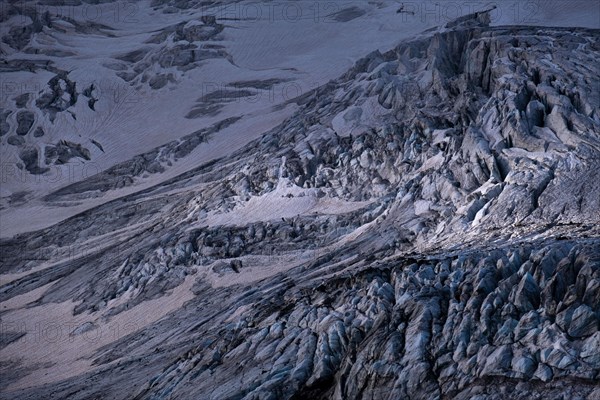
{"type": "Point", "coordinates": [423, 226]}
{"type": "Point", "coordinates": [89, 86]}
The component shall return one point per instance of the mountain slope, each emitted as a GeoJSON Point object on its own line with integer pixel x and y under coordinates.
{"type": "Point", "coordinates": [424, 226]}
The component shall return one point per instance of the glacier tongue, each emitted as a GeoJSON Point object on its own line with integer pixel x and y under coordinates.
{"type": "Point", "coordinates": [425, 226]}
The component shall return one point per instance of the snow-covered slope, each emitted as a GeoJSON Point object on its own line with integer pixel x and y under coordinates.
{"type": "Point", "coordinates": [91, 96]}
{"type": "Point", "coordinates": [87, 86]}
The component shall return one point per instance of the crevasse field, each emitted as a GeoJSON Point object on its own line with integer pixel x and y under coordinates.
{"type": "Point", "coordinates": [299, 200]}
